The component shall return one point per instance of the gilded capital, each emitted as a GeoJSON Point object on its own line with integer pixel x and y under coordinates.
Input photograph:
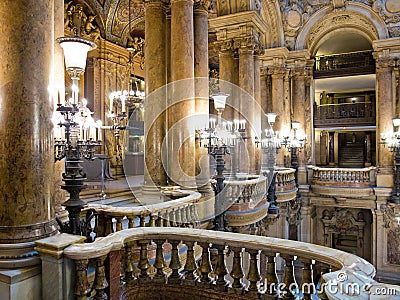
{"type": "Point", "coordinates": [224, 46]}
{"type": "Point", "coordinates": [249, 42]}
{"type": "Point", "coordinates": [202, 5]}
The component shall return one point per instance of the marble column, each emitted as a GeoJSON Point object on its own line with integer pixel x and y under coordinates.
{"type": "Point", "coordinates": [155, 104]}
{"type": "Point", "coordinates": [227, 67]}
{"type": "Point", "coordinates": [26, 146]}
{"type": "Point", "coordinates": [181, 169]}
{"type": "Point", "coordinates": [384, 115]}
{"type": "Point", "coordinates": [277, 84]}
{"type": "Point", "coordinates": [246, 106]}
{"type": "Point", "coordinates": [299, 103]}
{"type": "Point", "coordinates": [200, 20]}
{"type": "Point", "coordinates": [258, 113]}
{"type": "Point", "coordinates": [59, 87]}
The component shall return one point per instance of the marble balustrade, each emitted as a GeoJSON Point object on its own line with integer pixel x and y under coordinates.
{"type": "Point", "coordinates": [182, 211]}
{"type": "Point", "coordinates": [211, 278]}
{"type": "Point", "coordinates": [362, 177]}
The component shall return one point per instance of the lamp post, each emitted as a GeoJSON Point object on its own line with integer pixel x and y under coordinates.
{"type": "Point", "coordinates": [219, 137]}
{"type": "Point", "coordinates": [270, 146]}
{"type": "Point", "coordinates": [294, 143]}
{"type": "Point", "coordinates": [393, 142]}
{"type": "Point", "coordinates": [80, 136]}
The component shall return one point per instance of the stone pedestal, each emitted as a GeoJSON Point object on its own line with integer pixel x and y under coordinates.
{"type": "Point", "coordinates": [58, 271]}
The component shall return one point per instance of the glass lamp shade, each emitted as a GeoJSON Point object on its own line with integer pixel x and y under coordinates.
{"type": "Point", "coordinates": [219, 101]}
{"type": "Point", "coordinates": [295, 125]}
{"type": "Point", "coordinates": [75, 53]}
{"type": "Point", "coordinates": [271, 117]}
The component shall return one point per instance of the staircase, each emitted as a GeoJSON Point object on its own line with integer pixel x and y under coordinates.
{"type": "Point", "coordinates": [352, 155]}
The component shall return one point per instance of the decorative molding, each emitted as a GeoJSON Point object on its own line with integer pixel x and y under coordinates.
{"type": "Point", "coordinates": [293, 215]}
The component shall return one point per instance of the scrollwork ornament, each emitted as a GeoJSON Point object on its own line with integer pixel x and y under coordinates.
{"type": "Point", "coordinates": [293, 215]}
{"type": "Point", "coordinates": [389, 11]}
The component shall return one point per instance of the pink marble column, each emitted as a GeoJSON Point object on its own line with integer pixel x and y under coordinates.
{"type": "Point", "coordinates": [246, 83]}
{"type": "Point", "coordinates": [227, 68]}
{"type": "Point", "coordinates": [155, 104]}
{"type": "Point", "coordinates": [26, 146]}
{"type": "Point", "coordinates": [258, 113]}
{"type": "Point", "coordinates": [181, 141]}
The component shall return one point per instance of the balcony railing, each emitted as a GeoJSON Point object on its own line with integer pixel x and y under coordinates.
{"type": "Point", "coordinates": [285, 185]}
{"type": "Point", "coordinates": [349, 114]}
{"type": "Point", "coordinates": [355, 63]}
{"type": "Point", "coordinates": [220, 273]}
{"type": "Point", "coordinates": [344, 177]}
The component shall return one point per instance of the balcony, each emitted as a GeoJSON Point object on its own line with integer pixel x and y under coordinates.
{"type": "Point", "coordinates": [345, 114]}
{"type": "Point", "coordinates": [338, 65]}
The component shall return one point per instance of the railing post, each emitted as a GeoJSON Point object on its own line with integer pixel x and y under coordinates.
{"type": "Point", "coordinates": [288, 279]}
{"type": "Point", "coordinates": [220, 270]}
{"type": "Point", "coordinates": [190, 265]}
{"type": "Point", "coordinates": [82, 287]}
{"type": "Point", "coordinates": [253, 276]}
{"type": "Point", "coordinates": [143, 261]}
{"type": "Point", "coordinates": [272, 278]}
{"type": "Point", "coordinates": [128, 264]}
{"type": "Point", "coordinates": [159, 262]}
{"type": "Point", "coordinates": [307, 284]}
{"type": "Point", "coordinates": [205, 266]}
{"type": "Point", "coordinates": [237, 272]}
{"type": "Point", "coordinates": [100, 282]}
{"type": "Point", "coordinates": [175, 264]}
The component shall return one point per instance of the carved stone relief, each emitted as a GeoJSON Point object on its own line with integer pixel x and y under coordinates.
{"type": "Point", "coordinates": [389, 10]}
{"type": "Point", "coordinates": [391, 213]}
{"type": "Point", "coordinates": [76, 21]}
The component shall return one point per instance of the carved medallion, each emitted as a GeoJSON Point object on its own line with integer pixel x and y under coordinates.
{"type": "Point", "coordinates": [393, 6]}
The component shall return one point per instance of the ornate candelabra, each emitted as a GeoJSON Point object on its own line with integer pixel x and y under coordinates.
{"type": "Point", "coordinates": [392, 140]}
{"type": "Point", "coordinates": [219, 138]}
{"type": "Point", "coordinates": [294, 143]}
{"type": "Point", "coordinates": [77, 136]}
{"type": "Point", "coordinates": [270, 146]}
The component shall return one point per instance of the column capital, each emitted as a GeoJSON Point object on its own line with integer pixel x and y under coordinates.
{"type": "Point", "coordinates": [188, 1]}
{"type": "Point", "coordinates": [251, 42]}
{"type": "Point", "coordinates": [202, 5]}
{"type": "Point", "coordinates": [277, 70]}
{"type": "Point", "coordinates": [386, 62]}
{"type": "Point", "coordinates": [224, 46]}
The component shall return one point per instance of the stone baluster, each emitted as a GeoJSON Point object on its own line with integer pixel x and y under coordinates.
{"type": "Point", "coordinates": [271, 277]}
{"type": "Point", "coordinates": [220, 270]}
{"type": "Point", "coordinates": [184, 217]}
{"type": "Point", "coordinates": [190, 265]}
{"type": "Point", "coordinates": [253, 276]}
{"type": "Point", "coordinates": [175, 264]}
{"type": "Point", "coordinates": [237, 271]}
{"type": "Point", "coordinates": [118, 225]}
{"type": "Point", "coordinates": [288, 279]}
{"type": "Point", "coordinates": [172, 218]}
{"type": "Point", "coordinates": [82, 287]}
{"type": "Point", "coordinates": [324, 269]}
{"type": "Point", "coordinates": [308, 287]}
{"type": "Point", "coordinates": [109, 226]}
{"type": "Point", "coordinates": [143, 260]}
{"type": "Point", "coordinates": [128, 264]}
{"type": "Point", "coordinates": [160, 220]}
{"type": "Point", "coordinates": [131, 222]}
{"type": "Point", "coordinates": [188, 215]}
{"type": "Point", "coordinates": [142, 221]}
{"type": "Point", "coordinates": [205, 266]}
{"type": "Point", "coordinates": [100, 282]}
{"type": "Point", "coordinates": [166, 218]}
{"type": "Point", "coordinates": [152, 222]}
{"type": "Point", "coordinates": [159, 262]}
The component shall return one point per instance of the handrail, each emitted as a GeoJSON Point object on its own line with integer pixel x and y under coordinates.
{"type": "Point", "coordinates": [346, 265]}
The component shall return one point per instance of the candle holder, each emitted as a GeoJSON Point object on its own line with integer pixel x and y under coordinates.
{"type": "Point", "coordinates": [78, 136]}
{"type": "Point", "coordinates": [219, 138]}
